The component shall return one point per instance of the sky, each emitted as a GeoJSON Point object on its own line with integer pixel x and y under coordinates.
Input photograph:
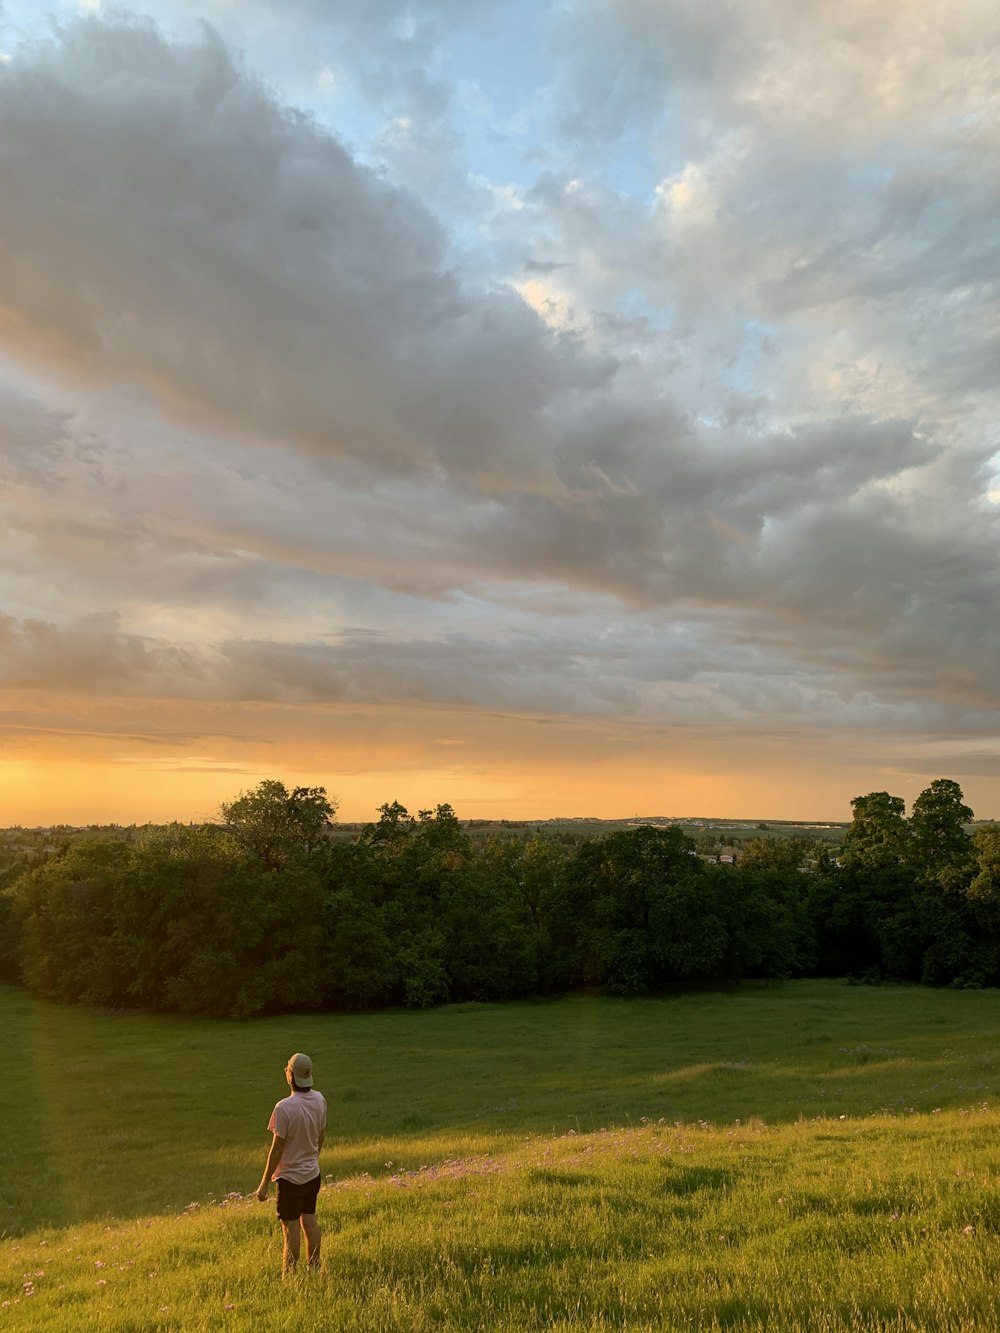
{"type": "Point", "coordinates": [575, 407]}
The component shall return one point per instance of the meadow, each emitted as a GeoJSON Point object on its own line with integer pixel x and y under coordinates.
{"type": "Point", "coordinates": [799, 1156]}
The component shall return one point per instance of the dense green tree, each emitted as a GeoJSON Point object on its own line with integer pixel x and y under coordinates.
{"type": "Point", "coordinates": [539, 891]}
{"type": "Point", "coordinates": [689, 932]}
{"type": "Point", "coordinates": [822, 859]}
{"type": "Point", "coordinates": [877, 884]}
{"type": "Point", "coordinates": [360, 966]}
{"type": "Point", "coordinates": [474, 929]}
{"type": "Point", "coordinates": [768, 931]}
{"type": "Point", "coordinates": [274, 824]}
{"type": "Point", "coordinates": [10, 925]}
{"type": "Point", "coordinates": [183, 919]}
{"type": "Point", "coordinates": [944, 923]}
{"type": "Point", "coordinates": [65, 910]}
{"type": "Point", "coordinates": [879, 836]}
{"type": "Point", "coordinates": [983, 899]}
{"type": "Point", "coordinates": [496, 922]}
{"type": "Point", "coordinates": [940, 849]}
{"type": "Point", "coordinates": [449, 920]}
{"type": "Point", "coordinates": [637, 920]}
{"type": "Point", "coordinates": [899, 907]}
{"type": "Point", "coordinates": [985, 885]}
{"type": "Point", "coordinates": [212, 929]}
{"type": "Point", "coordinates": [269, 912]}
{"type": "Point", "coordinates": [836, 904]}
{"type": "Point", "coordinates": [781, 854]}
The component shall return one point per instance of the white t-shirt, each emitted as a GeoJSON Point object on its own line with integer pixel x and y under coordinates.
{"type": "Point", "coordinates": [299, 1119]}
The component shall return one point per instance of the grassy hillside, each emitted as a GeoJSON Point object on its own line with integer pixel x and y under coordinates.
{"type": "Point", "coordinates": [808, 1156]}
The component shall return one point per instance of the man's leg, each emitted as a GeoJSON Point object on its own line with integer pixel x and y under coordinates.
{"type": "Point", "coordinates": [290, 1256]}
{"type": "Point", "coordinates": [311, 1227]}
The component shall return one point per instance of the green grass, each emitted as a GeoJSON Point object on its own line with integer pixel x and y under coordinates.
{"type": "Point", "coordinates": [803, 1156]}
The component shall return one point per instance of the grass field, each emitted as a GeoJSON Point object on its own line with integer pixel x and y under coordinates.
{"type": "Point", "coordinates": [802, 1156]}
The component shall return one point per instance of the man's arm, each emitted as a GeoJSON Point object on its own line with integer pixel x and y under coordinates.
{"type": "Point", "coordinates": [271, 1165]}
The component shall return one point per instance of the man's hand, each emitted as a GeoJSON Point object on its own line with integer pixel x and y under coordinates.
{"type": "Point", "coordinates": [271, 1165]}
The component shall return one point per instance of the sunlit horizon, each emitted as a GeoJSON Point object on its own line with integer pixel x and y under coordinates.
{"type": "Point", "coordinates": [555, 410]}
{"type": "Point", "coordinates": [45, 795]}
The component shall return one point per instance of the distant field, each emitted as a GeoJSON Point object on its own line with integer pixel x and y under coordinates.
{"type": "Point", "coordinates": [802, 1156]}
{"type": "Point", "coordinates": [17, 840]}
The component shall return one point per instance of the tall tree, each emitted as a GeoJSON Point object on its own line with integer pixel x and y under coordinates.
{"type": "Point", "coordinates": [879, 835]}
{"type": "Point", "coordinates": [646, 919]}
{"type": "Point", "coordinates": [873, 915]}
{"type": "Point", "coordinates": [986, 885]}
{"type": "Point", "coordinates": [939, 846]}
{"type": "Point", "coordinates": [273, 824]}
{"type": "Point", "coordinates": [984, 904]}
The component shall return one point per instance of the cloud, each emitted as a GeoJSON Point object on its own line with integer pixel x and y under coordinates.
{"type": "Point", "coordinates": [90, 655]}
{"type": "Point", "coordinates": [544, 266]}
{"type": "Point", "coordinates": [680, 672]}
{"type": "Point", "coordinates": [295, 422]}
{"type": "Point", "coordinates": [808, 545]}
{"type": "Point", "coordinates": [823, 164]}
{"type": "Point", "coordinates": [176, 226]}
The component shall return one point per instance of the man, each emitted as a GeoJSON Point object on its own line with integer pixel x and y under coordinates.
{"type": "Point", "coordinates": [298, 1127]}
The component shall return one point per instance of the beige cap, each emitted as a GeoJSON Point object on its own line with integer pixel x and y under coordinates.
{"type": "Point", "coordinates": [301, 1069]}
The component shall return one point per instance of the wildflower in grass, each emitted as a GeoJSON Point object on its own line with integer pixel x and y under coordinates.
{"type": "Point", "coordinates": [98, 1263]}
{"type": "Point", "coordinates": [102, 1281]}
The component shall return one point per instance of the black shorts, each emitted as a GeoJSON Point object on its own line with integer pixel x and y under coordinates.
{"type": "Point", "coordinates": [294, 1200]}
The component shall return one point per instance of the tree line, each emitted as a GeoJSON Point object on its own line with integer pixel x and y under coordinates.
{"type": "Point", "coordinates": [266, 912]}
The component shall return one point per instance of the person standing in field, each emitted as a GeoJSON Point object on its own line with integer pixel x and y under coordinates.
{"type": "Point", "coordinates": [298, 1127]}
